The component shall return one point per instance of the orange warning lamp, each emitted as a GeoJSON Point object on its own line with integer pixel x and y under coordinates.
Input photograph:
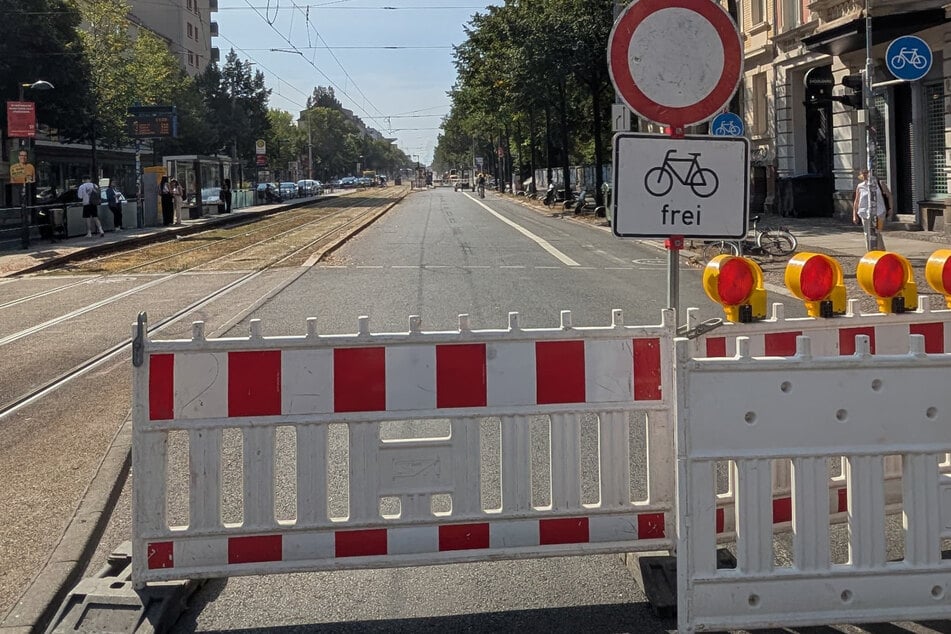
{"type": "Point", "coordinates": [736, 284]}
{"type": "Point", "coordinates": [817, 280]}
{"type": "Point", "coordinates": [938, 273]}
{"type": "Point", "coordinates": [889, 278]}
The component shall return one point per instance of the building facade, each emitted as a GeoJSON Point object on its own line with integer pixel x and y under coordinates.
{"type": "Point", "coordinates": [186, 24]}
{"type": "Point", "coordinates": [810, 128]}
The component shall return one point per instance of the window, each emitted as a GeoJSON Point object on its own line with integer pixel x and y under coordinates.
{"type": "Point", "coordinates": [191, 31]}
{"type": "Point", "coordinates": [760, 106]}
{"type": "Point", "coordinates": [191, 58]}
{"type": "Point", "coordinates": [189, 4]}
{"type": "Point", "coordinates": [792, 14]}
{"type": "Point", "coordinates": [757, 11]}
{"type": "Point", "coordinates": [936, 179]}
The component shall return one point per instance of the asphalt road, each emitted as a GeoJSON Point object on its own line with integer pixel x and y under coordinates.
{"type": "Point", "coordinates": [438, 254]}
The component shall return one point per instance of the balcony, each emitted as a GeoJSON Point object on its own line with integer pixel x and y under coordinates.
{"type": "Point", "coordinates": [213, 29]}
{"type": "Point", "coordinates": [212, 5]}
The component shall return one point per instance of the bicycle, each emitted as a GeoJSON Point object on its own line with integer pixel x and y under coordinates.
{"type": "Point", "coordinates": [703, 181]}
{"type": "Point", "coordinates": [481, 189]}
{"type": "Point", "coordinates": [909, 56]}
{"type": "Point", "coordinates": [777, 242]}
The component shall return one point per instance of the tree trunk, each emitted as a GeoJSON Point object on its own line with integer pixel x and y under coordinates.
{"type": "Point", "coordinates": [94, 170]}
{"type": "Point", "coordinates": [532, 159]}
{"type": "Point", "coordinates": [563, 115]}
{"type": "Point", "coordinates": [598, 144]}
{"type": "Point", "coordinates": [548, 144]}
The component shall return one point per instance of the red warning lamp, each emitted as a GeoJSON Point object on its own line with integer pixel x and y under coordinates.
{"type": "Point", "coordinates": [817, 280]}
{"type": "Point", "coordinates": [938, 273]}
{"type": "Point", "coordinates": [737, 285]}
{"type": "Point", "coordinates": [889, 278]}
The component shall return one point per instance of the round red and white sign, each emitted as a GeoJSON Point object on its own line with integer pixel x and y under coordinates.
{"type": "Point", "coordinates": [675, 62]}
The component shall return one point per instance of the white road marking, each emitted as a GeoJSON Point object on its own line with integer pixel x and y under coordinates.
{"type": "Point", "coordinates": [511, 267]}
{"type": "Point", "coordinates": [528, 234]}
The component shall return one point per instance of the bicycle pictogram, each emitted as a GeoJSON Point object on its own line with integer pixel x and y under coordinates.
{"type": "Point", "coordinates": [909, 56]}
{"type": "Point", "coordinates": [727, 128]}
{"type": "Point", "coordinates": [702, 180]}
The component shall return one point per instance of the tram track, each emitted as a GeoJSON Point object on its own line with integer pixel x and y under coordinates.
{"type": "Point", "coordinates": [46, 387]}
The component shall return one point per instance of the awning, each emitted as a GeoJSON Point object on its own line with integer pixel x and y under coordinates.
{"type": "Point", "coordinates": [850, 37]}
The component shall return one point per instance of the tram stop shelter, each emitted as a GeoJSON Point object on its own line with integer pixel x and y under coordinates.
{"type": "Point", "coordinates": [205, 174]}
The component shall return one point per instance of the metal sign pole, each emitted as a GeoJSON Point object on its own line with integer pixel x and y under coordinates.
{"type": "Point", "coordinates": [871, 230]}
{"type": "Point", "coordinates": [674, 244]}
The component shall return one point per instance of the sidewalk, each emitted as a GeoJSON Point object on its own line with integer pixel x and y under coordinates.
{"type": "Point", "coordinates": [43, 253]}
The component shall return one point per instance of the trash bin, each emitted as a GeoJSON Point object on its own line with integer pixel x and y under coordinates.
{"type": "Point", "coordinates": [806, 196]}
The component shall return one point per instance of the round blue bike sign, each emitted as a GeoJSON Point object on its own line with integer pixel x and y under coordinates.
{"type": "Point", "coordinates": [727, 124]}
{"type": "Point", "coordinates": [909, 58]}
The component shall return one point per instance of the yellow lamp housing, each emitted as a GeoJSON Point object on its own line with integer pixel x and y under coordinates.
{"type": "Point", "coordinates": [736, 284]}
{"type": "Point", "coordinates": [889, 278]}
{"type": "Point", "coordinates": [817, 280]}
{"type": "Point", "coordinates": [938, 273]}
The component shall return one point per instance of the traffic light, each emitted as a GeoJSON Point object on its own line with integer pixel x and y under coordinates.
{"type": "Point", "coordinates": [889, 278]}
{"type": "Point", "coordinates": [817, 280]}
{"type": "Point", "coordinates": [736, 284]}
{"type": "Point", "coordinates": [855, 83]}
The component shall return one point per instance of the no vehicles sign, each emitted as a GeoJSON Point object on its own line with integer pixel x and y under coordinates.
{"type": "Point", "coordinates": [695, 186]}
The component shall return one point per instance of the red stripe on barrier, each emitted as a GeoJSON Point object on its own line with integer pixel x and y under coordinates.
{"type": "Point", "coordinates": [460, 375]}
{"type": "Point", "coordinates": [843, 500]}
{"type": "Point", "coordinates": [360, 379]}
{"type": "Point", "coordinates": [721, 520]}
{"type": "Point", "coordinates": [559, 372]}
{"type": "Point", "coordinates": [782, 510]}
{"type": "Point", "coordinates": [781, 344]}
{"type": "Point", "coordinates": [647, 378]}
{"type": "Point", "coordinates": [364, 543]}
{"type": "Point", "coordinates": [463, 536]}
{"type": "Point", "coordinates": [716, 347]}
{"type": "Point", "coordinates": [847, 339]}
{"type": "Point", "coordinates": [252, 550]}
{"type": "Point", "coordinates": [933, 334]}
{"type": "Point", "coordinates": [650, 526]}
{"type": "Point", "coordinates": [571, 530]}
{"type": "Point", "coordinates": [161, 387]}
{"type": "Point", "coordinates": [254, 383]}
{"type": "Point", "coordinates": [160, 554]}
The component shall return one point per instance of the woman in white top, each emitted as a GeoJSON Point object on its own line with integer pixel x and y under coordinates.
{"type": "Point", "coordinates": [177, 195]}
{"type": "Point", "coordinates": [861, 206]}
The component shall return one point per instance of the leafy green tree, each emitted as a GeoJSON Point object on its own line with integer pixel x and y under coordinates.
{"type": "Point", "coordinates": [285, 142]}
{"type": "Point", "coordinates": [336, 141]}
{"type": "Point", "coordinates": [40, 39]}
{"type": "Point", "coordinates": [239, 101]}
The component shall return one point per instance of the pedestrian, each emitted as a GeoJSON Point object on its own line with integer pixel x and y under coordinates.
{"type": "Point", "coordinates": [226, 195]}
{"type": "Point", "coordinates": [168, 203]}
{"type": "Point", "coordinates": [870, 212]}
{"type": "Point", "coordinates": [115, 205]}
{"type": "Point", "coordinates": [177, 195]}
{"type": "Point", "coordinates": [88, 193]}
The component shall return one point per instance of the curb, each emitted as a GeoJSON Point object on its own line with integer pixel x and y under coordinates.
{"type": "Point", "coordinates": [40, 601]}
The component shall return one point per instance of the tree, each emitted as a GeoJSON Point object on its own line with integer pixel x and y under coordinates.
{"type": "Point", "coordinates": [284, 141]}
{"type": "Point", "coordinates": [40, 40]}
{"type": "Point", "coordinates": [324, 97]}
{"type": "Point", "coordinates": [239, 102]}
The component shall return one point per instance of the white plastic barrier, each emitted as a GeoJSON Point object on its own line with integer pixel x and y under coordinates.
{"type": "Point", "coordinates": [308, 383]}
{"type": "Point", "coordinates": [809, 409]}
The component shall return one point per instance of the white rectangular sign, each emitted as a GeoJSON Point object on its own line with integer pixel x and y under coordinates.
{"type": "Point", "coordinates": [695, 187]}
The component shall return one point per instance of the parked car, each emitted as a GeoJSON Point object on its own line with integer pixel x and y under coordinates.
{"type": "Point", "coordinates": [268, 193]}
{"type": "Point", "coordinates": [288, 190]}
{"type": "Point", "coordinates": [309, 187]}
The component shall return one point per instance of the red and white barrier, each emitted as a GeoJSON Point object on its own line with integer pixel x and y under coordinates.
{"type": "Point", "coordinates": [809, 409]}
{"type": "Point", "coordinates": [259, 384]}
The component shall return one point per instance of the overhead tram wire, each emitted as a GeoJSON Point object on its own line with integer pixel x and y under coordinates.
{"type": "Point", "coordinates": [268, 70]}
{"type": "Point", "coordinates": [315, 67]}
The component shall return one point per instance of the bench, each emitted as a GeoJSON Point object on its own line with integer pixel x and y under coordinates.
{"type": "Point", "coordinates": [929, 211]}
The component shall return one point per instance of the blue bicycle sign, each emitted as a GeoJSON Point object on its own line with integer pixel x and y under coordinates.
{"type": "Point", "coordinates": [686, 171]}
{"type": "Point", "coordinates": [909, 58]}
{"type": "Point", "coordinates": [726, 124]}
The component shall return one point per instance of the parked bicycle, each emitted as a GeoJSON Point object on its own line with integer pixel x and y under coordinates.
{"type": "Point", "coordinates": [778, 242]}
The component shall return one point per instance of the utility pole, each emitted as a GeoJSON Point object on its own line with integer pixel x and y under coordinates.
{"type": "Point", "coordinates": [310, 150]}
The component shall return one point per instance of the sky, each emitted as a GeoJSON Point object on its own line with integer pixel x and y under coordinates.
{"type": "Point", "coordinates": [347, 44]}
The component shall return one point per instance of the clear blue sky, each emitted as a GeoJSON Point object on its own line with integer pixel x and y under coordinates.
{"type": "Point", "coordinates": [342, 43]}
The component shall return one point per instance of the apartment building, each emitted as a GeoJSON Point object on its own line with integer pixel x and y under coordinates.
{"type": "Point", "coordinates": [797, 54]}
{"type": "Point", "coordinates": [187, 25]}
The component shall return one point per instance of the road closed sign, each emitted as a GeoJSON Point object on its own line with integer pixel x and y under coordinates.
{"type": "Point", "coordinates": [695, 186]}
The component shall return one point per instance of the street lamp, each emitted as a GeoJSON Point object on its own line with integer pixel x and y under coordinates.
{"type": "Point", "coordinates": [25, 145]}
